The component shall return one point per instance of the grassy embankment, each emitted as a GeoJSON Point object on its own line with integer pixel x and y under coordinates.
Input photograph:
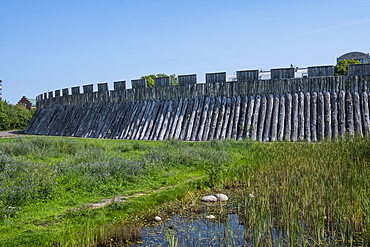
{"type": "Point", "coordinates": [303, 188]}
{"type": "Point", "coordinates": [44, 180]}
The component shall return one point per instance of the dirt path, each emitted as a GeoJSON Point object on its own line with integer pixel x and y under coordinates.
{"type": "Point", "coordinates": [105, 202]}
{"type": "Point", "coordinates": [12, 134]}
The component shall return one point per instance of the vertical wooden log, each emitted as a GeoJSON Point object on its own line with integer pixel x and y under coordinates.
{"type": "Point", "coordinates": [288, 118]}
{"type": "Point", "coordinates": [197, 119]}
{"type": "Point", "coordinates": [248, 126]}
{"type": "Point", "coordinates": [99, 125]}
{"type": "Point", "coordinates": [327, 114]}
{"type": "Point", "coordinates": [342, 113]}
{"type": "Point", "coordinates": [236, 125]}
{"type": "Point", "coordinates": [242, 118]}
{"type": "Point", "coordinates": [134, 120]}
{"type": "Point", "coordinates": [201, 119]}
{"type": "Point", "coordinates": [295, 123]}
{"type": "Point", "coordinates": [48, 120]}
{"type": "Point", "coordinates": [189, 131]}
{"type": "Point", "coordinates": [281, 125]}
{"type": "Point", "coordinates": [275, 118]}
{"type": "Point", "coordinates": [262, 117]}
{"type": "Point", "coordinates": [110, 126]}
{"type": "Point", "coordinates": [199, 134]}
{"type": "Point", "coordinates": [138, 119]}
{"type": "Point", "coordinates": [365, 113]}
{"type": "Point", "coordinates": [107, 130]}
{"type": "Point", "coordinates": [104, 130]}
{"type": "Point", "coordinates": [156, 120]}
{"type": "Point", "coordinates": [267, 125]}
{"type": "Point", "coordinates": [307, 116]}
{"type": "Point", "coordinates": [181, 120]}
{"type": "Point", "coordinates": [172, 117]}
{"type": "Point", "coordinates": [95, 109]}
{"type": "Point", "coordinates": [166, 119]}
{"type": "Point", "coordinates": [314, 116]}
{"type": "Point", "coordinates": [144, 121]}
{"type": "Point", "coordinates": [320, 117]}
{"type": "Point", "coordinates": [147, 134]}
{"type": "Point", "coordinates": [334, 115]}
{"type": "Point", "coordinates": [208, 119]}
{"type": "Point", "coordinates": [301, 118]}
{"type": "Point", "coordinates": [349, 114]}
{"type": "Point", "coordinates": [187, 119]}
{"type": "Point", "coordinates": [214, 120]}
{"type": "Point", "coordinates": [57, 113]}
{"type": "Point", "coordinates": [66, 121]}
{"type": "Point", "coordinates": [357, 114]}
{"type": "Point", "coordinates": [159, 121]}
{"type": "Point", "coordinates": [176, 118]}
{"type": "Point", "coordinates": [91, 127]}
{"type": "Point", "coordinates": [94, 121]}
{"type": "Point", "coordinates": [127, 121]}
{"type": "Point", "coordinates": [256, 111]}
{"type": "Point", "coordinates": [231, 116]}
{"type": "Point", "coordinates": [226, 119]}
{"type": "Point", "coordinates": [221, 118]}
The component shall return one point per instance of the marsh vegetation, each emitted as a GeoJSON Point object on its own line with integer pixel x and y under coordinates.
{"type": "Point", "coordinates": [281, 193]}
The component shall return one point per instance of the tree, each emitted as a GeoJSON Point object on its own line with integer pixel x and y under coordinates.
{"type": "Point", "coordinates": [342, 66]}
{"type": "Point", "coordinates": [150, 79]}
{"type": "Point", "coordinates": [13, 116]}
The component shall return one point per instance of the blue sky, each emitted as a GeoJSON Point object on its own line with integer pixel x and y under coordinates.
{"type": "Point", "coordinates": [47, 45]}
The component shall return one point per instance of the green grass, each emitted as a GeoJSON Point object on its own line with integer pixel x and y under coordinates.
{"type": "Point", "coordinates": [43, 179]}
{"type": "Point", "coordinates": [305, 189]}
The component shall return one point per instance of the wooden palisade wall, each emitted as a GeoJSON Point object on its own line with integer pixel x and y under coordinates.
{"type": "Point", "coordinates": [292, 109]}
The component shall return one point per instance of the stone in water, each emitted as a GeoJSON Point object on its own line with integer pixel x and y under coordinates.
{"type": "Point", "coordinates": [209, 199]}
{"type": "Point", "coordinates": [221, 197]}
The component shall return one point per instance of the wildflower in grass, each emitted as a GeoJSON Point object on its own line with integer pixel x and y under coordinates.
{"type": "Point", "coordinates": [251, 195]}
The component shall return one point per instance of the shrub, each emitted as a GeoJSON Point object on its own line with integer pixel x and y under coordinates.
{"type": "Point", "coordinates": [13, 116]}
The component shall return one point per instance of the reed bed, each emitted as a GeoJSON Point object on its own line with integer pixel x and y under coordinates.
{"type": "Point", "coordinates": [312, 193]}
{"type": "Point", "coordinates": [288, 194]}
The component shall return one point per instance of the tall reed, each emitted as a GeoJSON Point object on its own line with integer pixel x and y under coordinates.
{"type": "Point", "coordinates": [316, 193]}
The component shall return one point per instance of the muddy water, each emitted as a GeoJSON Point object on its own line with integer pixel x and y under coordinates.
{"type": "Point", "coordinates": [179, 231]}
{"type": "Point", "coordinates": [192, 227]}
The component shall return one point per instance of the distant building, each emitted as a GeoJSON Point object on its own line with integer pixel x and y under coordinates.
{"type": "Point", "coordinates": [27, 103]}
{"type": "Point", "coordinates": [266, 74]}
{"type": "Point", "coordinates": [359, 56]}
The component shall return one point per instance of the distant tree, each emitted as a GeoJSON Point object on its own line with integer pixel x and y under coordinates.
{"type": "Point", "coordinates": [342, 66]}
{"type": "Point", "coordinates": [174, 80]}
{"type": "Point", "coordinates": [13, 116]}
{"type": "Point", "coordinates": [150, 79]}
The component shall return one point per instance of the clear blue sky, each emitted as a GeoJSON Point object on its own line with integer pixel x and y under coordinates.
{"type": "Point", "coordinates": [53, 44]}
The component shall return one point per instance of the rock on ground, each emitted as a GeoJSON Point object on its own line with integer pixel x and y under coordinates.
{"type": "Point", "coordinates": [209, 199]}
{"type": "Point", "coordinates": [221, 197]}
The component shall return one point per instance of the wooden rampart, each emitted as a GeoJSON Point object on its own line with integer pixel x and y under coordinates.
{"type": "Point", "coordinates": [266, 110]}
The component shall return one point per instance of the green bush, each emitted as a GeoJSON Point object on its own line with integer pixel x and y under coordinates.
{"type": "Point", "coordinates": [342, 66]}
{"type": "Point", "coordinates": [13, 116]}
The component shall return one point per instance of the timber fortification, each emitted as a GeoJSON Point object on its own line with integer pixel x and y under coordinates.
{"type": "Point", "coordinates": [310, 108]}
